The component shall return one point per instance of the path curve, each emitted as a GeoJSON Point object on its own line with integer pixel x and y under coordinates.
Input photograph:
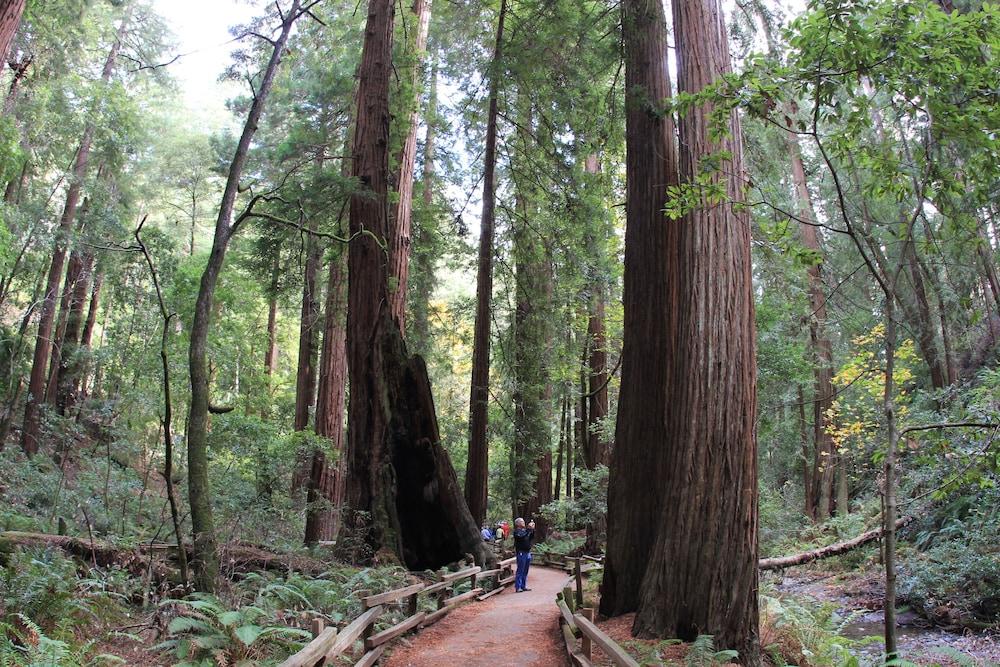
{"type": "Point", "coordinates": [507, 630]}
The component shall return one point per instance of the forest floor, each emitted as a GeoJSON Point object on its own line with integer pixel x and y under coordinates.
{"type": "Point", "coordinates": [508, 630]}
{"type": "Point", "coordinates": [860, 595]}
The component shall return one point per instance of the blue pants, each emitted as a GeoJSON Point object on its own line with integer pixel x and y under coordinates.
{"type": "Point", "coordinates": [521, 577]}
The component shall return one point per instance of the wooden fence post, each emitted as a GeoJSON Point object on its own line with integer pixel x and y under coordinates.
{"type": "Point", "coordinates": [411, 605]}
{"type": "Point", "coordinates": [579, 582]}
{"type": "Point", "coordinates": [585, 644]}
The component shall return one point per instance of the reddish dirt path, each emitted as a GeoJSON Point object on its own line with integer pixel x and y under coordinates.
{"type": "Point", "coordinates": [507, 630]}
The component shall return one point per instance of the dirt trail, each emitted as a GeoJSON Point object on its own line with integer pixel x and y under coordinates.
{"type": "Point", "coordinates": [507, 630]}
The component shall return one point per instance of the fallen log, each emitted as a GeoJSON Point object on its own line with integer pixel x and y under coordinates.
{"type": "Point", "coordinates": [235, 556]}
{"type": "Point", "coordinates": [782, 562]}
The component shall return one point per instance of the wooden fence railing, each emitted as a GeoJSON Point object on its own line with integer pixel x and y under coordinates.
{"type": "Point", "coordinates": [329, 643]}
{"type": "Point", "coordinates": [577, 622]}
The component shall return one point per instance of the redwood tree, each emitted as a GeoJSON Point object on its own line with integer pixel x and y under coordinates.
{"type": "Point", "coordinates": [641, 431]}
{"type": "Point", "coordinates": [702, 572]}
{"type": "Point", "coordinates": [477, 468]}
{"type": "Point", "coordinates": [402, 492]}
{"type": "Point", "coordinates": [10, 19]}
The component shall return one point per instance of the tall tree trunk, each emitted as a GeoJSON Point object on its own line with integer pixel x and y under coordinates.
{"type": "Point", "coordinates": [424, 255]}
{"type": "Point", "coordinates": [889, 471]}
{"type": "Point", "coordinates": [809, 507]}
{"type": "Point", "coordinates": [205, 560]}
{"type": "Point", "coordinates": [69, 355]}
{"type": "Point", "coordinates": [87, 337]}
{"type": "Point", "coordinates": [31, 429]}
{"type": "Point", "coordinates": [403, 213]}
{"type": "Point", "coordinates": [402, 491]}
{"type": "Point", "coordinates": [824, 448]}
{"type": "Point", "coordinates": [271, 353]}
{"type": "Point", "coordinates": [14, 387]}
{"type": "Point", "coordinates": [702, 574]}
{"type": "Point", "coordinates": [326, 477]}
{"type": "Point", "coordinates": [532, 450]}
{"type": "Point", "coordinates": [562, 447]}
{"type": "Point", "coordinates": [305, 374]}
{"type": "Point", "coordinates": [477, 468]}
{"type": "Point", "coordinates": [10, 19]}
{"type": "Point", "coordinates": [641, 430]}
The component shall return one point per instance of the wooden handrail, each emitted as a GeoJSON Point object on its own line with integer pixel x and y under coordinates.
{"type": "Point", "coordinates": [617, 654]}
{"type": "Point", "coordinates": [391, 596]}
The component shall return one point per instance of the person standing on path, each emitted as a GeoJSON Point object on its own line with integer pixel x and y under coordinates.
{"type": "Point", "coordinates": [523, 538]}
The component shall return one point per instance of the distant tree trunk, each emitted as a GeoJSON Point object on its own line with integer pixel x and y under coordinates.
{"type": "Point", "coordinates": [271, 353]}
{"type": "Point", "coordinates": [69, 357]}
{"type": "Point", "coordinates": [403, 222]}
{"type": "Point", "coordinates": [641, 431]}
{"type": "Point", "coordinates": [561, 447]}
{"type": "Point", "coordinates": [326, 477]}
{"type": "Point", "coordinates": [15, 387]}
{"type": "Point", "coordinates": [31, 429]}
{"type": "Point", "coordinates": [87, 337]}
{"type": "Point", "coordinates": [10, 19]}
{"type": "Point", "coordinates": [825, 454]}
{"type": "Point", "coordinates": [74, 273]}
{"type": "Point", "coordinates": [807, 477]}
{"type": "Point", "coordinates": [402, 491]}
{"type": "Point", "coordinates": [477, 468]}
{"type": "Point", "coordinates": [305, 374]}
{"type": "Point", "coordinates": [205, 560]}
{"type": "Point", "coordinates": [702, 574]}
{"type": "Point", "coordinates": [423, 247]}
{"type": "Point", "coordinates": [532, 448]}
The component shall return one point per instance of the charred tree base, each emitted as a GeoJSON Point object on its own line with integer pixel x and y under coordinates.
{"type": "Point", "coordinates": [418, 511]}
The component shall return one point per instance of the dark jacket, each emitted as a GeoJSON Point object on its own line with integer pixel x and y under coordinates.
{"type": "Point", "coordinates": [523, 537]}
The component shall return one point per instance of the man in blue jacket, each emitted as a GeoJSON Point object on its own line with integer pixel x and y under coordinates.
{"type": "Point", "coordinates": [523, 538]}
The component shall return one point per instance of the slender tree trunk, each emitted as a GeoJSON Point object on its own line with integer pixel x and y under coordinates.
{"type": "Point", "coordinates": [87, 337]}
{"type": "Point", "coordinates": [477, 468]}
{"type": "Point", "coordinates": [807, 477]}
{"type": "Point", "coordinates": [305, 375]}
{"type": "Point", "coordinates": [10, 19]}
{"type": "Point", "coordinates": [424, 255]}
{"type": "Point", "coordinates": [271, 353]}
{"type": "Point", "coordinates": [14, 388]}
{"type": "Point", "coordinates": [702, 573]}
{"type": "Point", "coordinates": [69, 356]}
{"type": "Point", "coordinates": [889, 469]}
{"type": "Point", "coordinates": [825, 450]}
{"type": "Point", "coordinates": [206, 561]}
{"type": "Point", "coordinates": [562, 447]}
{"type": "Point", "coordinates": [641, 430]}
{"type": "Point", "coordinates": [326, 476]}
{"type": "Point", "coordinates": [402, 490]}
{"type": "Point", "coordinates": [403, 214]}
{"type": "Point", "coordinates": [43, 341]}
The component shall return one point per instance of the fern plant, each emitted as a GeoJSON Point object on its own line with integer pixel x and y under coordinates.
{"type": "Point", "coordinates": [206, 633]}
{"type": "Point", "coordinates": [25, 644]}
{"type": "Point", "coordinates": [702, 653]}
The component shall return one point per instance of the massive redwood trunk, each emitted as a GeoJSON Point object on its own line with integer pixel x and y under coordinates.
{"type": "Point", "coordinates": [10, 19]}
{"type": "Point", "coordinates": [402, 491]}
{"type": "Point", "coordinates": [641, 431]}
{"type": "Point", "coordinates": [31, 429]}
{"type": "Point", "coordinates": [403, 218]}
{"type": "Point", "coordinates": [326, 488]}
{"type": "Point", "coordinates": [477, 468]}
{"type": "Point", "coordinates": [702, 573]}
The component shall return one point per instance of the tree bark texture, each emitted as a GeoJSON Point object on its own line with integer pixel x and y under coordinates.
{"type": "Point", "coordinates": [206, 561]}
{"type": "Point", "coordinates": [641, 430]}
{"type": "Point", "coordinates": [69, 354]}
{"type": "Point", "coordinates": [405, 161]}
{"type": "Point", "coordinates": [824, 450]}
{"type": "Point", "coordinates": [702, 576]}
{"type": "Point", "coordinates": [401, 488]}
{"type": "Point", "coordinates": [10, 19]}
{"type": "Point", "coordinates": [31, 429]}
{"type": "Point", "coordinates": [477, 468]}
{"type": "Point", "coordinates": [326, 484]}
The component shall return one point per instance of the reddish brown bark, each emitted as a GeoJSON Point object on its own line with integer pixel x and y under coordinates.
{"type": "Point", "coordinates": [305, 377]}
{"type": "Point", "coordinates": [641, 430]}
{"type": "Point", "coordinates": [477, 468]}
{"type": "Point", "coordinates": [702, 575]}
{"type": "Point", "coordinates": [31, 429]}
{"type": "Point", "coordinates": [69, 361]}
{"type": "Point", "coordinates": [824, 450]}
{"type": "Point", "coordinates": [400, 248]}
{"type": "Point", "coordinates": [402, 491]}
{"type": "Point", "coordinates": [325, 480]}
{"type": "Point", "coordinates": [10, 19]}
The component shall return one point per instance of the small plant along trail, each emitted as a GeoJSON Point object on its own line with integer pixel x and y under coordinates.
{"type": "Point", "coordinates": [508, 630]}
